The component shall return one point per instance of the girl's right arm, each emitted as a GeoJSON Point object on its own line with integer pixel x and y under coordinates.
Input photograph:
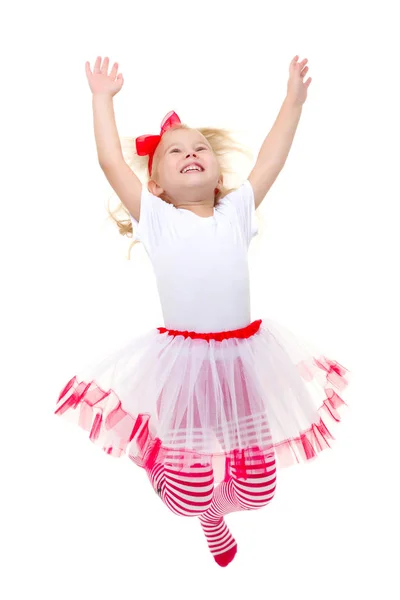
{"type": "Point", "coordinates": [120, 176]}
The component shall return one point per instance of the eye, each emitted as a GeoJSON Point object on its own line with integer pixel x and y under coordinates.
{"type": "Point", "coordinates": [177, 150]}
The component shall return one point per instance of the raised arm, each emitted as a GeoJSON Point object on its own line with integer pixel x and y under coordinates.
{"type": "Point", "coordinates": [276, 146]}
{"type": "Point", "coordinates": [124, 182]}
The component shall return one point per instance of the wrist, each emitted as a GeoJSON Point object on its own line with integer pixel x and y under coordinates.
{"type": "Point", "coordinates": [103, 95]}
{"type": "Point", "coordinates": [292, 102]}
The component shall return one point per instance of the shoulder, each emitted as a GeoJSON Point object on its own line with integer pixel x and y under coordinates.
{"type": "Point", "coordinates": [242, 194]}
{"type": "Point", "coordinates": [152, 206]}
{"type": "Point", "coordinates": [240, 203]}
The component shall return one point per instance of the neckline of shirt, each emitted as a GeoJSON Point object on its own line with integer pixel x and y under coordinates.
{"type": "Point", "coordinates": [186, 210]}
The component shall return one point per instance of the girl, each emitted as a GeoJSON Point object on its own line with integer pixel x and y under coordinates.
{"type": "Point", "coordinates": [210, 403]}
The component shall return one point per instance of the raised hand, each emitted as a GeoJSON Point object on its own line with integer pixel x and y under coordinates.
{"type": "Point", "coordinates": [102, 83]}
{"type": "Point", "coordinates": [297, 88]}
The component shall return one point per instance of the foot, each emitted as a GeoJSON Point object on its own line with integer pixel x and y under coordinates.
{"type": "Point", "coordinates": [220, 541]}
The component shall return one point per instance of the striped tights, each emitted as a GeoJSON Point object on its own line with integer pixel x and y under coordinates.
{"type": "Point", "coordinates": [190, 492]}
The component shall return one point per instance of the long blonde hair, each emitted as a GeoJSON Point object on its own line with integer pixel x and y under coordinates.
{"type": "Point", "coordinates": [223, 145]}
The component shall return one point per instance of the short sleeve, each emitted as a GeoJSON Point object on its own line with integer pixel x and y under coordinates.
{"type": "Point", "coordinates": [155, 215]}
{"type": "Point", "coordinates": [242, 200]}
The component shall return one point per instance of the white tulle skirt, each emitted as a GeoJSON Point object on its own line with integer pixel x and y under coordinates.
{"type": "Point", "coordinates": [186, 398]}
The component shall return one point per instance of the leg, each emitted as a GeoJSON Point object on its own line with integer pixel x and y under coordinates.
{"type": "Point", "coordinates": [186, 493]}
{"type": "Point", "coordinates": [252, 488]}
{"type": "Point", "coordinates": [254, 485]}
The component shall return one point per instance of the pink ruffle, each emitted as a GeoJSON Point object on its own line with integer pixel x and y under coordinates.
{"type": "Point", "coordinates": [100, 413]}
{"type": "Point", "coordinates": [315, 439]}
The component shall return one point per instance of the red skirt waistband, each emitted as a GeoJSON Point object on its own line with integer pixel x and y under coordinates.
{"type": "Point", "coordinates": [244, 332]}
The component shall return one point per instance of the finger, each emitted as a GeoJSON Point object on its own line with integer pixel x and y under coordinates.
{"type": "Point", "coordinates": [96, 68]}
{"type": "Point", "coordinates": [114, 70]}
{"type": "Point", "coordinates": [104, 68]}
{"type": "Point", "coordinates": [301, 64]}
{"type": "Point", "coordinates": [87, 69]}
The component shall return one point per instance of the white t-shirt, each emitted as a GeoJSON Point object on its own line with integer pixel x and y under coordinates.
{"type": "Point", "coordinates": [200, 263]}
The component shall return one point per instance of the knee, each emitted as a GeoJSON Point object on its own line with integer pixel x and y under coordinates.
{"type": "Point", "coordinates": [182, 507]}
{"type": "Point", "coordinates": [188, 493]}
{"type": "Point", "coordinates": [250, 497]}
{"type": "Point", "coordinates": [256, 490]}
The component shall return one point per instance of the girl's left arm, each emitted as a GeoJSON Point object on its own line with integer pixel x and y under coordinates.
{"type": "Point", "coordinates": [276, 146]}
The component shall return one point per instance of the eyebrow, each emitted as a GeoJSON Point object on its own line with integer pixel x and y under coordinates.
{"type": "Point", "coordinates": [178, 143]}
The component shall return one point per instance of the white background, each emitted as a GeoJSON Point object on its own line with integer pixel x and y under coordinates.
{"type": "Point", "coordinates": [79, 524]}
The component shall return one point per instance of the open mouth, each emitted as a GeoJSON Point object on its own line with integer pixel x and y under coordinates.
{"type": "Point", "coordinates": [194, 169]}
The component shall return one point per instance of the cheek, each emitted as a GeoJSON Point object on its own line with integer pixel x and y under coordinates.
{"type": "Point", "coordinates": [172, 164]}
{"type": "Point", "coordinates": [165, 166]}
{"type": "Point", "coordinates": [213, 164]}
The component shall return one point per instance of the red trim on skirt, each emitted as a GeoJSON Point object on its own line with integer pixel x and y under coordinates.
{"type": "Point", "coordinates": [244, 332]}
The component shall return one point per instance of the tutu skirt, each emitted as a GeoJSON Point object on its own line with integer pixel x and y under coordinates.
{"type": "Point", "coordinates": [185, 398]}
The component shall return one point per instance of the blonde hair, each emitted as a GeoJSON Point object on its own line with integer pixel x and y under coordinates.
{"type": "Point", "coordinates": [223, 145]}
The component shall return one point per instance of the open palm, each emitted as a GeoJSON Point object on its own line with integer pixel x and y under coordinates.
{"type": "Point", "coordinates": [100, 82]}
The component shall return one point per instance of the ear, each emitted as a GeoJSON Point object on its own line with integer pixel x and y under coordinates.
{"type": "Point", "coordinates": [154, 188]}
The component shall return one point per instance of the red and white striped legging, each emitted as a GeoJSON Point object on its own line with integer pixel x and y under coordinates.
{"type": "Point", "coordinates": [249, 484]}
{"type": "Point", "coordinates": [190, 492]}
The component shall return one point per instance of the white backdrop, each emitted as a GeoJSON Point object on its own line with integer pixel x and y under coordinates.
{"type": "Point", "coordinates": [79, 524]}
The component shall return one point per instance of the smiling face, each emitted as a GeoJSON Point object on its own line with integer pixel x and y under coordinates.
{"type": "Point", "coordinates": [178, 149]}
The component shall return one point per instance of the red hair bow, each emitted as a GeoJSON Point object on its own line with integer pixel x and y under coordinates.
{"type": "Point", "coordinates": [147, 144]}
